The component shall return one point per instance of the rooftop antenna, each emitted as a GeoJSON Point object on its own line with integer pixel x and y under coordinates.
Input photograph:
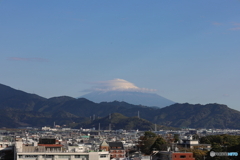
{"type": "Point", "coordinates": [110, 121]}
{"type": "Point", "coordinates": [26, 137]}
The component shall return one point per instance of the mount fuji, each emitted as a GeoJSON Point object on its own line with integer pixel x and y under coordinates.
{"type": "Point", "coordinates": [122, 90]}
{"type": "Point", "coordinates": [132, 97]}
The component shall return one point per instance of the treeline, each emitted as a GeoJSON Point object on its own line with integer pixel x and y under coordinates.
{"type": "Point", "coordinates": [220, 143]}
{"type": "Point", "coordinates": [223, 143]}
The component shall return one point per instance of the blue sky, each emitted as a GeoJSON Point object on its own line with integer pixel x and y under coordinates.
{"type": "Point", "coordinates": [186, 51]}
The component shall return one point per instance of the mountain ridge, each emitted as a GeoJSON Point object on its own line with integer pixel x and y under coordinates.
{"type": "Point", "coordinates": [19, 108]}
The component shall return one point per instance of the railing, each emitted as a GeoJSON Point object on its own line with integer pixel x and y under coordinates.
{"type": "Point", "coordinates": [55, 151]}
{"type": "Point", "coordinates": [51, 152]}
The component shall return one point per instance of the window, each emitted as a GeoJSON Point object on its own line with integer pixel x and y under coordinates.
{"type": "Point", "coordinates": [48, 156]}
{"type": "Point", "coordinates": [103, 155]}
{"type": "Point", "coordinates": [81, 156]}
{"type": "Point", "coordinates": [31, 156]}
{"type": "Point", "coordinates": [182, 156]}
{"type": "Point", "coordinates": [64, 156]}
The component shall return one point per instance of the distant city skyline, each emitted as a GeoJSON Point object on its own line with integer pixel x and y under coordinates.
{"type": "Point", "coordinates": [186, 51]}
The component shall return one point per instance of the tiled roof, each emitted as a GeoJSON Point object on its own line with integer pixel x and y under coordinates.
{"type": "Point", "coordinates": [116, 144]}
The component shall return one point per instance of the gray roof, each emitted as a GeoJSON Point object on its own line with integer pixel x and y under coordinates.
{"type": "Point", "coordinates": [116, 144]}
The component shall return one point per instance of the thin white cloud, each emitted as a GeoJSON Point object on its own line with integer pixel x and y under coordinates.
{"type": "Point", "coordinates": [235, 29]}
{"type": "Point", "coordinates": [236, 24]}
{"type": "Point", "coordinates": [217, 23]}
{"type": "Point", "coordinates": [117, 85]}
{"type": "Point", "coordinates": [27, 59]}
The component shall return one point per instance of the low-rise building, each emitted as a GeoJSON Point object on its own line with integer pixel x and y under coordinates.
{"type": "Point", "coordinates": [190, 143]}
{"type": "Point", "coordinates": [116, 150]}
{"type": "Point", "coordinates": [170, 155]}
{"type": "Point", "coordinates": [54, 151]}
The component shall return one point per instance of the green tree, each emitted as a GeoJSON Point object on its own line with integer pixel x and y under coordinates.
{"type": "Point", "coordinates": [147, 141]}
{"type": "Point", "coordinates": [195, 137]}
{"type": "Point", "coordinates": [160, 144]}
{"type": "Point", "coordinates": [176, 137]}
{"type": "Point", "coordinates": [151, 141]}
{"type": "Point", "coordinates": [149, 134]}
{"type": "Point", "coordinates": [197, 153]}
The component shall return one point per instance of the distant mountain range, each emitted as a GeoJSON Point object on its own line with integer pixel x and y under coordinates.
{"type": "Point", "coordinates": [132, 97]}
{"type": "Point", "coordinates": [18, 108]}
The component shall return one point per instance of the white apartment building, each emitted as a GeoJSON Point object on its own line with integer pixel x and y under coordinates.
{"type": "Point", "coordinates": [42, 153]}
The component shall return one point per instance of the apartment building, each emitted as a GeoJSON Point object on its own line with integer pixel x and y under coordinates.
{"type": "Point", "coordinates": [54, 152]}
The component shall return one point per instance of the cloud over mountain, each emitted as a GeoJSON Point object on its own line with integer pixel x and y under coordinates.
{"type": "Point", "coordinates": [116, 85]}
{"type": "Point", "coordinates": [122, 90]}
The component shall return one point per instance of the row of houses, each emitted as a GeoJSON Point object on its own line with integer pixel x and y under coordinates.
{"type": "Point", "coordinates": [52, 149]}
{"type": "Point", "coordinates": [95, 145]}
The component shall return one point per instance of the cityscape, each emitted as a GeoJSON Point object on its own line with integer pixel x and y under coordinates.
{"type": "Point", "coordinates": [57, 142]}
{"type": "Point", "coordinates": [119, 80]}
{"type": "Point", "coordinates": [137, 132]}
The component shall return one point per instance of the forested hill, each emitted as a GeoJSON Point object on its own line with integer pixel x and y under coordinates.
{"type": "Point", "coordinates": [18, 108]}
